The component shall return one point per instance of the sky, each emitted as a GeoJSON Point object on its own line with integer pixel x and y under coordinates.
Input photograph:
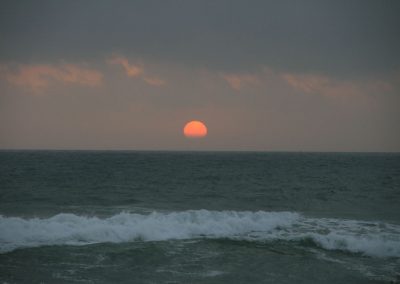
{"type": "Point", "coordinates": [262, 75]}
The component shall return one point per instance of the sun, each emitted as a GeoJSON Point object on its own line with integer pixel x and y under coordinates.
{"type": "Point", "coordinates": [195, 129]}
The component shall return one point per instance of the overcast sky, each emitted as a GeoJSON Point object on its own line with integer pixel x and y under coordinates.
{"type": "Point", "coordinates": [262, 75]}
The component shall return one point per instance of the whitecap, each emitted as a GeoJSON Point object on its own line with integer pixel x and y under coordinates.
{"type": "Point", "coordinates": [368, 238]}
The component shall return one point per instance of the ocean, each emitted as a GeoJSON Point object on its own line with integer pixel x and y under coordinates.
{"type": "Point", "coordinates": [199, 217]}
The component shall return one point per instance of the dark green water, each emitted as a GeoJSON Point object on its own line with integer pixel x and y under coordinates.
{"type": "Point", "coordinates": [175, 217]}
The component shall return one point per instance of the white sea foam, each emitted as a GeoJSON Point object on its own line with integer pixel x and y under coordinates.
{"type": "Point", "coordinates": [369, 238]}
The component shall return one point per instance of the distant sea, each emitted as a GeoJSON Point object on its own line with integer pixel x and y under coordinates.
{"type": "Point", "coordinates": [199, 217]}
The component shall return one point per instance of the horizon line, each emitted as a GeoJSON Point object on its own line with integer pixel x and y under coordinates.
{"type": "Point", "coordinates": [188, 150]}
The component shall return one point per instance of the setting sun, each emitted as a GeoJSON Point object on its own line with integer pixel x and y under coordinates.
{"type": "Point", "coordinates": [195, 129]}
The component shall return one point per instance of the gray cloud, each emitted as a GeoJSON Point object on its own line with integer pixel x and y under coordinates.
{"type": "Point", "coordinates": [341, 38]}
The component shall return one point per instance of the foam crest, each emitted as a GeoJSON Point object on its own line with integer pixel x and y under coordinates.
{"type": "Point", "coordinates": [369, 238]}
{"type": "Point", "coordinates": [72, 229]}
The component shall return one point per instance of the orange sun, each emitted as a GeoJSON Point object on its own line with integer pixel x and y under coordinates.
{"type": "Point", "coordinates": [195, 129]}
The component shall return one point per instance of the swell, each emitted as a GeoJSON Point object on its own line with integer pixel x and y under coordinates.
{"type": "Point", "coordinates": [368, 238]}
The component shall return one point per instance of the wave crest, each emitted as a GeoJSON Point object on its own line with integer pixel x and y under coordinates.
{"type": "Point", "coordinates": [369, 238]}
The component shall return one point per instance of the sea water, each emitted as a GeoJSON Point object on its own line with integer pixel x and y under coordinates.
{"type": "Point", "coordinates": [199, 217]}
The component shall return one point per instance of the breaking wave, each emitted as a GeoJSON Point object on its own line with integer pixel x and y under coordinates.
{"type": "Point", "coordinates": [368, 238]}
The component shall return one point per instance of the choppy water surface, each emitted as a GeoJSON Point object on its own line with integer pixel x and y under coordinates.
{"type": "Point", "coordinates": [174, 217]}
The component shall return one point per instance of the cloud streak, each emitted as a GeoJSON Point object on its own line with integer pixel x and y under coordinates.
{"type": "Point", "coordinates": [38, 77]}
{"type": "Point", "coordinates": [154, 81]}
{"type": "Point", "coordinates": [331, 87]}
{"type": "Point", "coordinates": [134, 70]}
{"type": "Point", "coordinates": [131, 70]}
{"type": "Point", "coordinates": [308, 83]}
{"type": "Point", "coordinates": [238, 81]}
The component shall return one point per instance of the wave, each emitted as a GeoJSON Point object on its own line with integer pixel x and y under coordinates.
{"type": "Point", "coordinates": [368, 238]}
